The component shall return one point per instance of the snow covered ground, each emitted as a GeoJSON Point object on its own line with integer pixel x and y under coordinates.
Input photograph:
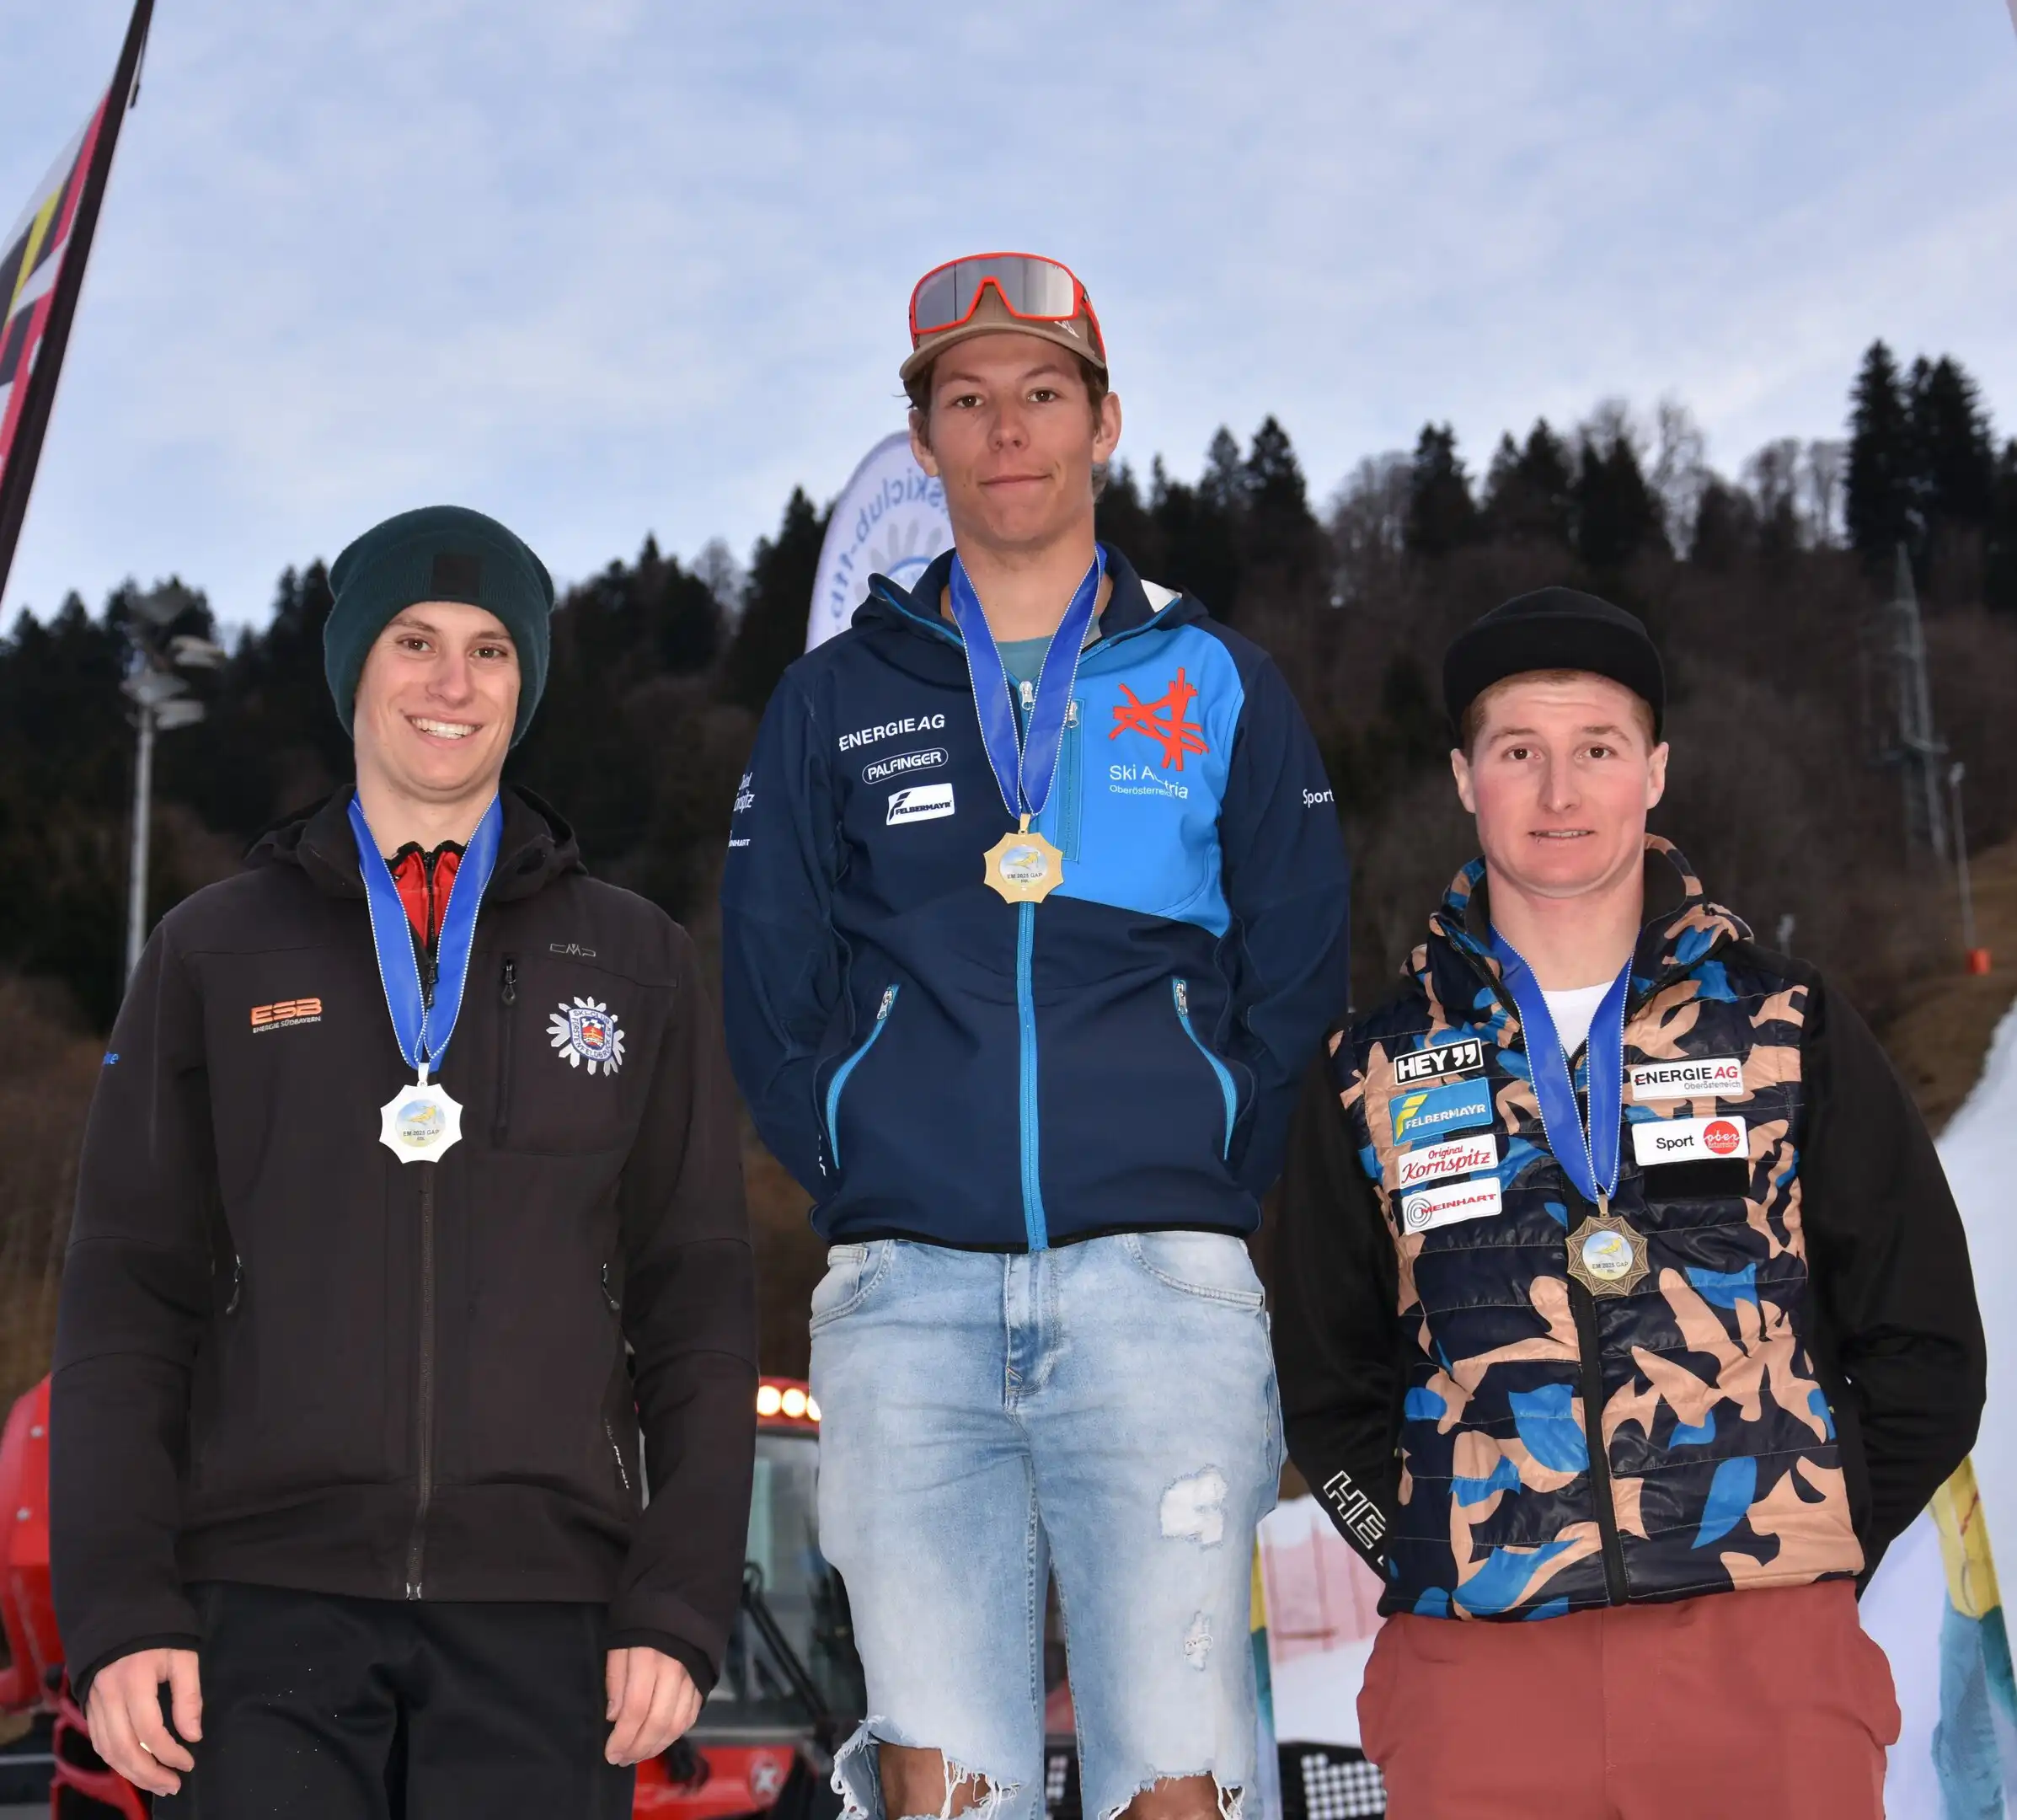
{"type": "Point", "coordinates": [1902, 1608]}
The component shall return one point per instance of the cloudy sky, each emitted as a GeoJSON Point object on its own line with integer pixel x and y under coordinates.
{"type": "Point", "coordinates": [629, 266]}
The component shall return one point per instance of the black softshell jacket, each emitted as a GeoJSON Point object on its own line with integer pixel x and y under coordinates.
{"type": "Point", "coordinates": [288, 1358]}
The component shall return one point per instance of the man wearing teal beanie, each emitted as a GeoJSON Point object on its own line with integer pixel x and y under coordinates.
{"type": "Point", "coordinates": [439, 552]}
{"type": "Point", "coordinates": [405, 1387]}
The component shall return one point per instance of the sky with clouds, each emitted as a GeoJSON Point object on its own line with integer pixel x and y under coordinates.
{"type": "Point", "coordinates": [624, 266]}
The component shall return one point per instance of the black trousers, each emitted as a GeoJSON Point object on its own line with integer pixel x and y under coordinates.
{"type": "Point", "coordinates": [321, 1707]}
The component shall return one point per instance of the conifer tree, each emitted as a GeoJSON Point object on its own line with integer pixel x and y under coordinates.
{"type": "Point", "coordinates": [1878, 501]}
{"type": "Point", "coordinates": [772, 631]}
{"type": "Point", "coordinates": [1529, 491]}
{"type": "Point", "coordinates": [1441, 514]}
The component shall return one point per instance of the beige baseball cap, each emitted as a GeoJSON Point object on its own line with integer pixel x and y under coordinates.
{"type": "Point", "coordinates": [989, 292]}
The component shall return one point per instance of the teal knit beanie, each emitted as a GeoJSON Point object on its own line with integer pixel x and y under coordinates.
{"type": "Point", "coordinates": [444, 553]}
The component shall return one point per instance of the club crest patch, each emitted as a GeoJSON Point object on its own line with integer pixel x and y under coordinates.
{"type": "Point", "coordinates": [587, 1032]}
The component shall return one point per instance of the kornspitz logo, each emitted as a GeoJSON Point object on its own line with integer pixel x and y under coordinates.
{"type": "Point", "coordinates": [925, 758]}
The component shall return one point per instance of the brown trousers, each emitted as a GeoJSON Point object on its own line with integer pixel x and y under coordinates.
{"type": "Point", "coordinates": [1771, 1703]}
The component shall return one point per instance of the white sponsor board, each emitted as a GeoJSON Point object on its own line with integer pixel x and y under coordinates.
{"type": "Point", "coordinates": [1704, 1078]}
{"type": "Point", "coordinates": [891, 520]}
{"type": "Point", "coordinates": [1687, 1140]}
{"type": "Point", "coordinates": [1477, 1199]}
{"type": "Point", "coordinates": [1459, 1156]}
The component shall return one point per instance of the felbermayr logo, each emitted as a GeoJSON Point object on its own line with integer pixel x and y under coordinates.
{"type": "Point", "coordinates": [1439, 1108]}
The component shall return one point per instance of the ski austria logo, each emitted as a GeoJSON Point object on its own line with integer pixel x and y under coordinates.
{"type": "Point", "coordinates": [921, 802]}
{"type": "Point", "coordinates": [586, 1031]}
{"type": "Point", "coordinates": [1165, 720]}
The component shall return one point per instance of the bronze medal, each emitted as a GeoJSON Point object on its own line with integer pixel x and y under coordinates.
{"type": "Point", "coordinates": [1606, 1256]}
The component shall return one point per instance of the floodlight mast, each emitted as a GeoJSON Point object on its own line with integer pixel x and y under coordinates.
{"type": "Point", "coordinates": [161, 704]}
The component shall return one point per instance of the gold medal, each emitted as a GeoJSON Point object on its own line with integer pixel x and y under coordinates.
{"type": "Point", "coordinates": [1024, 867]}
{"type": "Point", "coordinates": [1606, 1256]}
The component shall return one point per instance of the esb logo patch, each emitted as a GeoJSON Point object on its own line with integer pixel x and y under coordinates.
{"type": "Point", "coordinates": [1687, 1140]}
{"type": "Point", "coordinates": [1460, 1156]}
{"type": "Point", "coordinates": [921, 802]}
{"type": "Point", "coordinates": [1443, 1063]}
{"type": "Point", "coordinates": [1710, 1078]}
{"type": "Point", "coordinates": [1447, 1207]}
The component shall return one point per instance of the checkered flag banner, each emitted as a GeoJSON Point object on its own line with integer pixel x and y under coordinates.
{"type": "Point", "coordinates": [41, 271]}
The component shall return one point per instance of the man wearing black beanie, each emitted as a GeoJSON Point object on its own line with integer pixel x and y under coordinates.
{"type": "Point", "coordinates": [361, 1324]}
{"type": "Point", "coordinates": [1617, 1273]}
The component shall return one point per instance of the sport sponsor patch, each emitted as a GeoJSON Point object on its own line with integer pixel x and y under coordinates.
{"type": "Point", "coordinates": [1707, 1078]}
{"type": "Point", "coordinates": [901, 764]}
{"type": "Point", "coordinates": [284, 1013]}
{"type": "Point", "coordinates": [1460, 1156]}
{"type": "Point", "coordinates": [1429, 1109]}
{"type": "Point", "coordinates": [921, 802]}
{"type": "Point", "coordinates": [1687, 1140]}
{"type": "Point", "coordinates": [1449, 1206]}
{"type": "Point", "coordinates": [1443, 1063]}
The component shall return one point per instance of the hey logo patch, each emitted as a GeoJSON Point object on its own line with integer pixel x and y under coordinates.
{"type": "Point", "coordinates": [585, 1033]}
{"type": "Point", "coordinates": [1460, 1156]}
{"type": "Point", "coordinates": [283, 1014]}
{"type": "Point", "coordinates": [1687, 1140]}
{"type": "Point", "coordinates": [1710, 1078]}
{"type": "Point", "coordinates": [921, 802]}
{"type": "Point", "coordinates": [1448, 1206]}
{"type": "Point", "coordinates": [1430, 1110]}
{"type": "Point", "coordinates": [1443, 1063]}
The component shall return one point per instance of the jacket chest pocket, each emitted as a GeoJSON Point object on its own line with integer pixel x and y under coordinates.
{"type": "Point", "coordinates": [571, 1047]}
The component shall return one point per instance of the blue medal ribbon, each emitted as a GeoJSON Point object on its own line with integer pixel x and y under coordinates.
{"type": "Point", "coordinates": [1592, 1161]}
{"type": "Point", "coordinates": [422, 1027]}
{"type": "Point", "coordinates": [1025, 765]}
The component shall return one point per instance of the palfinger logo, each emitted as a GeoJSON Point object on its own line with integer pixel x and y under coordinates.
{"type": "Point", "coordinates": [1163, 720]}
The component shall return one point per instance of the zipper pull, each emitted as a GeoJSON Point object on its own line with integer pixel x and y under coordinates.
{"type": "Point", "coordinates": [889, 998]}
{"type": "Point", "coordinates": [1072, 712]}
{"type": "Point", "coordinates": [237, 1285]}
{"type": "Point", "coordinates": [1183, 997]}
{"type": "Point", "coordinates": [1028, 696]}
{"type": "Point", "coordinates": [510, 982]}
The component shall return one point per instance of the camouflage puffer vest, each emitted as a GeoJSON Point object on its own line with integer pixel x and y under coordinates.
{"type": "Point", "coordinates": [1713, 1465]}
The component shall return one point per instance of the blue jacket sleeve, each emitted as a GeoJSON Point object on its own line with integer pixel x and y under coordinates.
{"type": "Point", "coordinates": [780, 957]}
{"type": "Point", "coordinates": [1288, 885]}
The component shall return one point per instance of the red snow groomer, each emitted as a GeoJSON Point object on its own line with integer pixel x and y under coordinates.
{"type": "Point", "coordinates": [790, 1688]}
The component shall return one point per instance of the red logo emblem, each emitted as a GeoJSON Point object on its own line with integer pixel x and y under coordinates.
{"type": "Point", "coordinates": [1721, 1135]}
{"type": "Point", "coordinates": [1163, 720]}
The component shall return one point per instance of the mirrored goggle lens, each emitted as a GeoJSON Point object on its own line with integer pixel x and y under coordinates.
{"type": "Point", "coordinates": [1038, 288]}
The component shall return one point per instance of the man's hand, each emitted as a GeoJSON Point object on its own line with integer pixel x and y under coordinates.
{"type": "Point", "coordinates": [652, 1699]}
{"type": "Point", "coordinates": [125, 1716]}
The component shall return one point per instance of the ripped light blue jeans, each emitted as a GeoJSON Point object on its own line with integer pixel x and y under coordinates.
{"type": "Point", "coordinates": [1106, 1411]}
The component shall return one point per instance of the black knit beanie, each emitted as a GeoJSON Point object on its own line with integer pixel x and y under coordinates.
{"type": "Point", "coordinates": [1553, 629]}
{"type": "Point", "coordinates": [440, 553]}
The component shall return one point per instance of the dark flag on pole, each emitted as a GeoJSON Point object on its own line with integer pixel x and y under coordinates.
{"type": "Point", "coordinates": [41, 271]}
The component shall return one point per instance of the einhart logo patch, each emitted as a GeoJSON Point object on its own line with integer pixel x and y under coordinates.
{"type": "Point", "coordinates": [283, 1014]}
{"type": "Point", "coordinates": [1687, 1140]}
{"type": "Point", "coordinates": [1439, 1108]}
{"type": "Point", "coordinates": [1447, 1207]}
{"type": "Point", "coordinates": [1460, 1156]}
{"type": "Point", "coordinates": [1714, 1076]}
{"type": "Point", "coordinates": [587, 1035]}
{"type": "Point", "coordinates": [1443, 1063]}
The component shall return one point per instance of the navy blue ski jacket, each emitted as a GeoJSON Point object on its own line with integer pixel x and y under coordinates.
{"type": "Point", "coordinates": [931, 1062]}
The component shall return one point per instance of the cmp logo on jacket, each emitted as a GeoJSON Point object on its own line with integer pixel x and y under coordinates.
{"type": "Point", "coordinates": [586, 1033]}
{"type": "Point", "coordinates": [1723, 1469]}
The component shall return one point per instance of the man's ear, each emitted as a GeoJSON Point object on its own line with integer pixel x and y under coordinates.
{"type": "Point", "coordinates": [1460, 769]}
{"type": "Point", "coordinates": [1107, 438]}
{"type": "Point", "coordinates": [1655, 775]}
{"type": "Point", "coordinates": [921, 448]}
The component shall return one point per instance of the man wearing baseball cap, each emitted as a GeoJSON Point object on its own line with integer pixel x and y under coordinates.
{"type": "Point", "coordinates": [410, 1193]}
{"type": "Point", "coordinates": [1617, 1274]}
{"type": "Point", "coordinates": [1035, 914]}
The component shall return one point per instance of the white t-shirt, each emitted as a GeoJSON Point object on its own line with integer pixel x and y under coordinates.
{"type": "Point", "coordinates": [1572, 1011]}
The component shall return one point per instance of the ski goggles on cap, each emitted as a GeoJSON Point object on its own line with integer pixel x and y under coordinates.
{"type": "Point", "coordinates": [1032, 291]}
